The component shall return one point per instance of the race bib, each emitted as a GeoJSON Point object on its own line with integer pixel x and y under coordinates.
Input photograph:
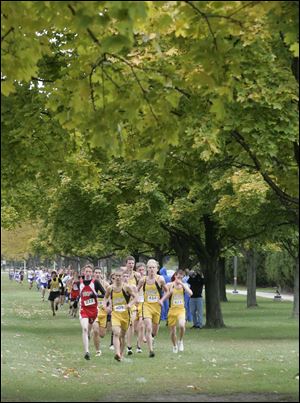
{"type": "Point", "coordinates": [178, 302]}
{"type": "Point", "coordinates": [152, 298]}
{"type": "Point", "coordinates": [119, 308]}
{"type": "Point", "coordinates": [88, 302]}
{"type": "Point", "coordinates": [100, 303]}
{"type": "Point", "coordinates": [55, 289]}
{"type": "Point", "coordinates": [141, 298]}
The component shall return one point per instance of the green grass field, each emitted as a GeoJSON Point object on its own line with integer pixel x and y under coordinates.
{"type": "Point", "coordinates": [42, 357]}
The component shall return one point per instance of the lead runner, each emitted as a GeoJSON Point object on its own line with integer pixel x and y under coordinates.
{"type": "Point", "coordinates": [88, 305]}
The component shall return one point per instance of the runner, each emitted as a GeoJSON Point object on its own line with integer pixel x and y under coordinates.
{"type": "Point", "coordinates": [111, 347]}
{"type": "Point", "coordinates": [133, 280]}
{"type": "Point", "coordinates": [100, 324]}
{"type": "Point", "coordinates": [62, 290]}
{"type": "Point", "coordinates": [89, 288]}
{"type": "Point", "coordinates": [43, 283]}
{"type": "Point", "coordinates": [153, 285]}
{"type": "Point", "coordinates": [74, 294]}
{"type": "Point", "coordinates": [30, 277]}
{"type": "Point", "coordinates": [54, 285]}
{"type": "Point", "coordinates": [139, 323]}
{"type": "Point", "coordinates": [176, 314]}
{"type": "Point", "coordinates": [119, 298]}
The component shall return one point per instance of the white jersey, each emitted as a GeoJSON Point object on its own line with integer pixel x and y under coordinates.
{"type": "Point", "coordinates": [44, 278]}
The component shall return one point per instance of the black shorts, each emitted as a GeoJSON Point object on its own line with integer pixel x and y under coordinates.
{"type": "Point", "coordinates": [62, 291]}
{"type": "Point", "coordinates": [53, 295]}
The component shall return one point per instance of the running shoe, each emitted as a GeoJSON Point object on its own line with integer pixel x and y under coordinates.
{"type": "Point", "coordinates": [98, 353]}
{"type": "Point", "coordinates": [139, 350]}
{"type": "Point", "coordinates": [175, 349]}
{"type": "Point", "coordinates": [87, 356]}
{"type": "Point", "coordinates": [117, 357]}
{"type": "Point", "coordinates": [112, 347]}
{"type": "Point", "coordinates": [151, 354]}
{"type": "Point", "coordinates": [129, 351]}
{"type": "Point", "coordinates": [180, 345]}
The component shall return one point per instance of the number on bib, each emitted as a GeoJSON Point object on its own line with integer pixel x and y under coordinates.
{"type": "Point", "coordinates": [152, 298]}
{"type": "Point", "coordinates": [55, 289]}
{"type": "Point", "coordinates": [178, 302]}
{"type": "Point", "coordinates": [141, 298]}
{"type": "Point", "coordinates": [90, 301]}
{"type": "Point", "coordinates": [120, 308]}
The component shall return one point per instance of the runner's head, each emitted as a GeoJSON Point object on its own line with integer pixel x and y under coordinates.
{"type": "Point", "coordinates": [141, 268]}
{"type": "Point", "coordinates": [130, 261]}
{"type": "Point", "coordinates": [118, 277]}
{"type": "Point", "coordinates": [179, 274]}
{"type": "Point", "coordinates": [125, 277]}
{"type": "Point", "coordinates": [97, 273]}
{"type": "Point", "coordinates": [54, 274]}
{"type": "Point", "coordinates": [88, 271]}
{"type": "Point", "coordinates": [152, 267]}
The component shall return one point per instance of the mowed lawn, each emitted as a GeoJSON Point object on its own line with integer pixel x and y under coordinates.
{"type": "Point", "coordinates": [42, 357]}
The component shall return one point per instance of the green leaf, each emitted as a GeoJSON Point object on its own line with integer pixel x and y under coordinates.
{"type": "Point", "coordinates": [115, 43]}
{"type": "Point", "coordinates": [295, 49]}
{"type": "Point", "coordinates": [7, 87]}
{"type": "Point", "coordinates": [218, 109]}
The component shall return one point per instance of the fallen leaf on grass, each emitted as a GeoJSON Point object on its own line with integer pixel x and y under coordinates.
{"type": "Point", "coordinates": [84, 383]}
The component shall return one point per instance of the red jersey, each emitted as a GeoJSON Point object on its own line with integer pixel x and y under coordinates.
{"type": "Point", "coordinates": [75, 289]}
{"type": "Point", "coordinates": [88, 304]}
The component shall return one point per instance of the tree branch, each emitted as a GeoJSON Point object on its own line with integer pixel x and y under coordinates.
{"type": "Point", "coordinates": [11, 29]}
{"type": "Point", "coordinates": [144, 92]}
{"type": "Point", "coordinates": [203, 15]}
{"type": "Point", "coordinates": [280, 193]}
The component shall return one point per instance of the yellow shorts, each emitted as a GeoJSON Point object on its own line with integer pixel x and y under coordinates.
{"type": "Point", "coordinates": [140, 311]}
{"type": "Point", "coordinates": [174, 315]}
{"type": "Point", "coordinates": [121, 320]}
{"type": "Point", "coordinates": [102, 318]}
{"type": "Point", "coordinates": [152, 311]}
{"type": "Point", "coordinates": [133, 314]}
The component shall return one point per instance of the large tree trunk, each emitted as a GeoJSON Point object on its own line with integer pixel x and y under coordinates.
{"type": "Point", "coordinates": [251, 263]}
{"type": "Point", "coordinates": [222, 280]}
{"type": "Point", "coordinates": [181, 247]}
{"type": "Point", "coordinates": [296, 290]}
{"type": "Point", "coordinates": [159, 256]}
{"type": "Point", "coordinates": [214, 317]}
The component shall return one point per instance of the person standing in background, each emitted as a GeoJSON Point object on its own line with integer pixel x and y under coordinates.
{"type": "Point", "coordinates": [196, 282]}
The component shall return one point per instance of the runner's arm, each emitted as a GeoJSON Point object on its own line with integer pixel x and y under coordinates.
{"type": "Point", "coordinates": [99, 287]}
{"type": "Point", "coordinates": [131, 291]}
{"type": "Point", "coordinates": [106, 299]}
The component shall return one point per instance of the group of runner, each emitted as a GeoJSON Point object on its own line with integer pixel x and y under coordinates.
{"type": "Point", "coordinates": [132, 303]}
{"type": "Point", "coordinates": [129, 304]}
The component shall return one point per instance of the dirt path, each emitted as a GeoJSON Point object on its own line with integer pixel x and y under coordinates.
{"type": "Point", "coordinates": [201, 397]}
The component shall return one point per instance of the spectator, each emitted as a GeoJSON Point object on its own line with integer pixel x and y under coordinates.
{"type": "Point", "coordinates": [196, 281]}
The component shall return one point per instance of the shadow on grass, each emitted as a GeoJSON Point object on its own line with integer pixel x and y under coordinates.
{"type": "Point", "coordinates": [39, 330]}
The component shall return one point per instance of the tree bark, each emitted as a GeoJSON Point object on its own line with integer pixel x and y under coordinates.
{"type": "Point", "coordinates": [159, 257]}
{"type": "Point", "coordinates": [182, 249]}
{"type": "Point", "coordinates": [214, 317]}
{"type": "Point", "coordinates": [222, 280]}
{"type": "Point", "coordinates": [251, 263]}
{"type": "Point", "coordinates": [296, 289]}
